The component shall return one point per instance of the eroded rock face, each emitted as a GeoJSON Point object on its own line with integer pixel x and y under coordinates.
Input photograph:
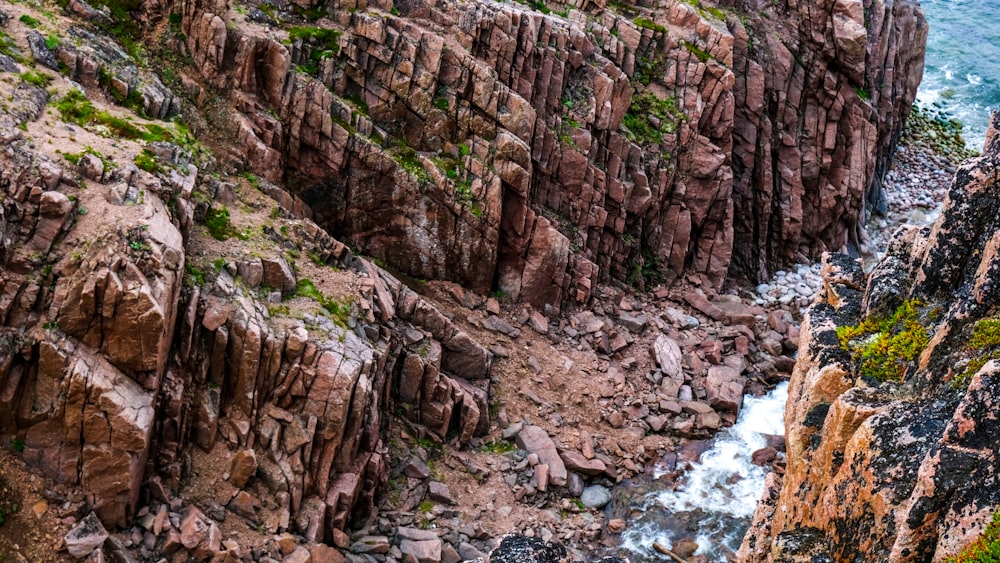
{"type": "Point", "coordinates": [485, 143]}
{"type": "Point", "coordinates": [820, 104]}
{"type": "Point", "coordinates": [112, 369]}
{"type": "Point", "coordinates": [902, 471]}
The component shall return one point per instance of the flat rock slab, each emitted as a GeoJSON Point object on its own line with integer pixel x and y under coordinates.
{"type": "Point", "coordinates": [738, 313]}
{"type": "Point", "coordinates": [698, 300]}
{"type": "Point", "coordinates": [668, 355]}
{"type": "Point", "coordinates": [535, 440]}
{"type": "Point", "coordinates": [424, 551]}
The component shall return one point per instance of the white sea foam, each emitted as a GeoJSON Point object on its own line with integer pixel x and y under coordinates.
{"type": "Point", "coordinates": [709, 488]}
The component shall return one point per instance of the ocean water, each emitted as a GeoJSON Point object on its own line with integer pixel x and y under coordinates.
{"type": "Point", "coordinates": [962, 68]}
{"type": "Point", "coordinates": [718, 496]}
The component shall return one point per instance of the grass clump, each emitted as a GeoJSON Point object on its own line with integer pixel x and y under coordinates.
{"type": "Point", "coordinates": [986, 548]}
{"type": "Point", "coordinates": [195, 276]}
{"type": "Point", "coordinates": [985, 343]}
{"type": "Point", "coordinates": [885, 348]}
{"type": "Point", "coordinates": [409, 161]}
{"type": "Point", "coordinates": [9, 47]}
{"type": "Point", "coordinates": [74, 158]}
{"type": "Point", "coordinates": [146, 160]}
{"type": "Point", "coordinates": [74, 107]}
{"type": "Point", "coordinates": [323, 44]}
{"type": "Point", "coordinates": [340, 311]}
{"type": "Point", "coordinates": [647, 23]}
{"type": "Point", "coordinates": [36, 78]}
{"type": "Point", "coordinates": [637, 120]}
{"type": "Point", "coordinates": [497, 447]}
{"type": "Point", "coordinates": [218, 225]}
{"type": "Point", "coordinates": [702, 54]}
{"type": "Point", "coordinates": [29, 21]}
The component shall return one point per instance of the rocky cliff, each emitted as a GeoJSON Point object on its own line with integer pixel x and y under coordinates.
{"type": "Point", "coordinates": [540, 152]}
{"type": "Point", "coordinates": [181, 319]}
{"type": "Point", "coordinates": [141, 318]}
{"type": "Point", "coordinates": [892, 405]}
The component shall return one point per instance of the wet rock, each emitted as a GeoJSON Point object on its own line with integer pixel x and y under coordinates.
{"type": "Point", "coordinates": [764, 456]}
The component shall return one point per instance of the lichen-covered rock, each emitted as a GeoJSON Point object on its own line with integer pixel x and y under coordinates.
{"type": "Point", "coordinates": [898, 471]}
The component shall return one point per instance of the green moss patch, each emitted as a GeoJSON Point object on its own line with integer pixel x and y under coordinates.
{"type": "Point", "coordinates": [644, 106]}
{"type": "Point", "coordinates": [884, 349]}
{"type": "Point", "coordinates": [986, 548]}
{"type": "Point", "coordinates": [340, 310]}
{"type": "Point", "coordinates": [984, 345]}
{"type": "Point", "coordinates": [218, 225]}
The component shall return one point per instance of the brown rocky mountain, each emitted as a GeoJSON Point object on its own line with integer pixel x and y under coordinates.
{"type": "Point", "coordinates": [173, 310]}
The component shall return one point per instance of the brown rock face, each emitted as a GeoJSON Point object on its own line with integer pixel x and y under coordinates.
{"type": "Point", "coordinates": [111, 368]}
{"type": "Point", "coordinates": [821, 100]}
{"type": "Point", "coordinates": [898, 471]}
{"type": "Point", "coordinates": [503, 148]}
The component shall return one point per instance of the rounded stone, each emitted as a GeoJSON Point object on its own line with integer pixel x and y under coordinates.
{"type": "Point", "coordinates": [595, 496]}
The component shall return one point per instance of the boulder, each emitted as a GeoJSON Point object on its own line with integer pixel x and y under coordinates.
{"type": "Point", "coordinates": [535, 439]}
{"type": "Point", "coordinates": [85, 537]}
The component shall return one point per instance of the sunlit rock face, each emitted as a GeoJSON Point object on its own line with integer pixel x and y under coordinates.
{"type": "Point", "coordinates": [898, 471]}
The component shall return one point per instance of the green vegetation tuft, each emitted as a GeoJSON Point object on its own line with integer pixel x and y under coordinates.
{"type": "Point", "coordinates": [885, 348]}
{"type": "Point", "coordinates": [647, 23]}
{"type": "Point", "coordinates": [74, 158]}
{"type": "Point", "coordinates": [217, 223]}
{"type": "Point", "coordinates": [497, 447]}
{"type": "Point", "coordinates": [36, 78]}
{"type": "Point", "coordinates": [29, 21]}
{"type": "Point", "coordinates": [9, 47]}
{"type": "Point", "coordinates": [644, 106]}
{"type": "Point", "coordinates": [340, 311]}
{"type": "Point", "coordinates": [409, 161]}
{"type": "Point", "coordinates": [985, 344]}
{"type": "Point", "coordinates": [195, 276]}
{"type": "Point", "coordinates": [74, 107]}
{"type": "Point", "coordinates": [702, 55]}
{"type": "Point", "coordinates": [323, 44]}
{"type": "Point", "coordinates": [122, 25]}
{"type": "Point", "coordinates": [146, 160]}
{"type": "Point", "coordinates": [986, 548]}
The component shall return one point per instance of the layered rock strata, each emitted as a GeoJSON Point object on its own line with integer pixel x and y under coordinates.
{"type": "Point", "coordinates": [897, 471]}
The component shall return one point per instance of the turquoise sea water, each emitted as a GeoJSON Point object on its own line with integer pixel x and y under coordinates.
{"type": "Point", "coordinates": [962, 69]}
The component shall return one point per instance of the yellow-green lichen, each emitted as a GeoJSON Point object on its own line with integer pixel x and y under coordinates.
{"type": "Point", "coordinates": [985, 343]}
{"type": "Point", "coordinates": [884, 349]}
{"type": "Point", "coordinates": [985, 549]}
